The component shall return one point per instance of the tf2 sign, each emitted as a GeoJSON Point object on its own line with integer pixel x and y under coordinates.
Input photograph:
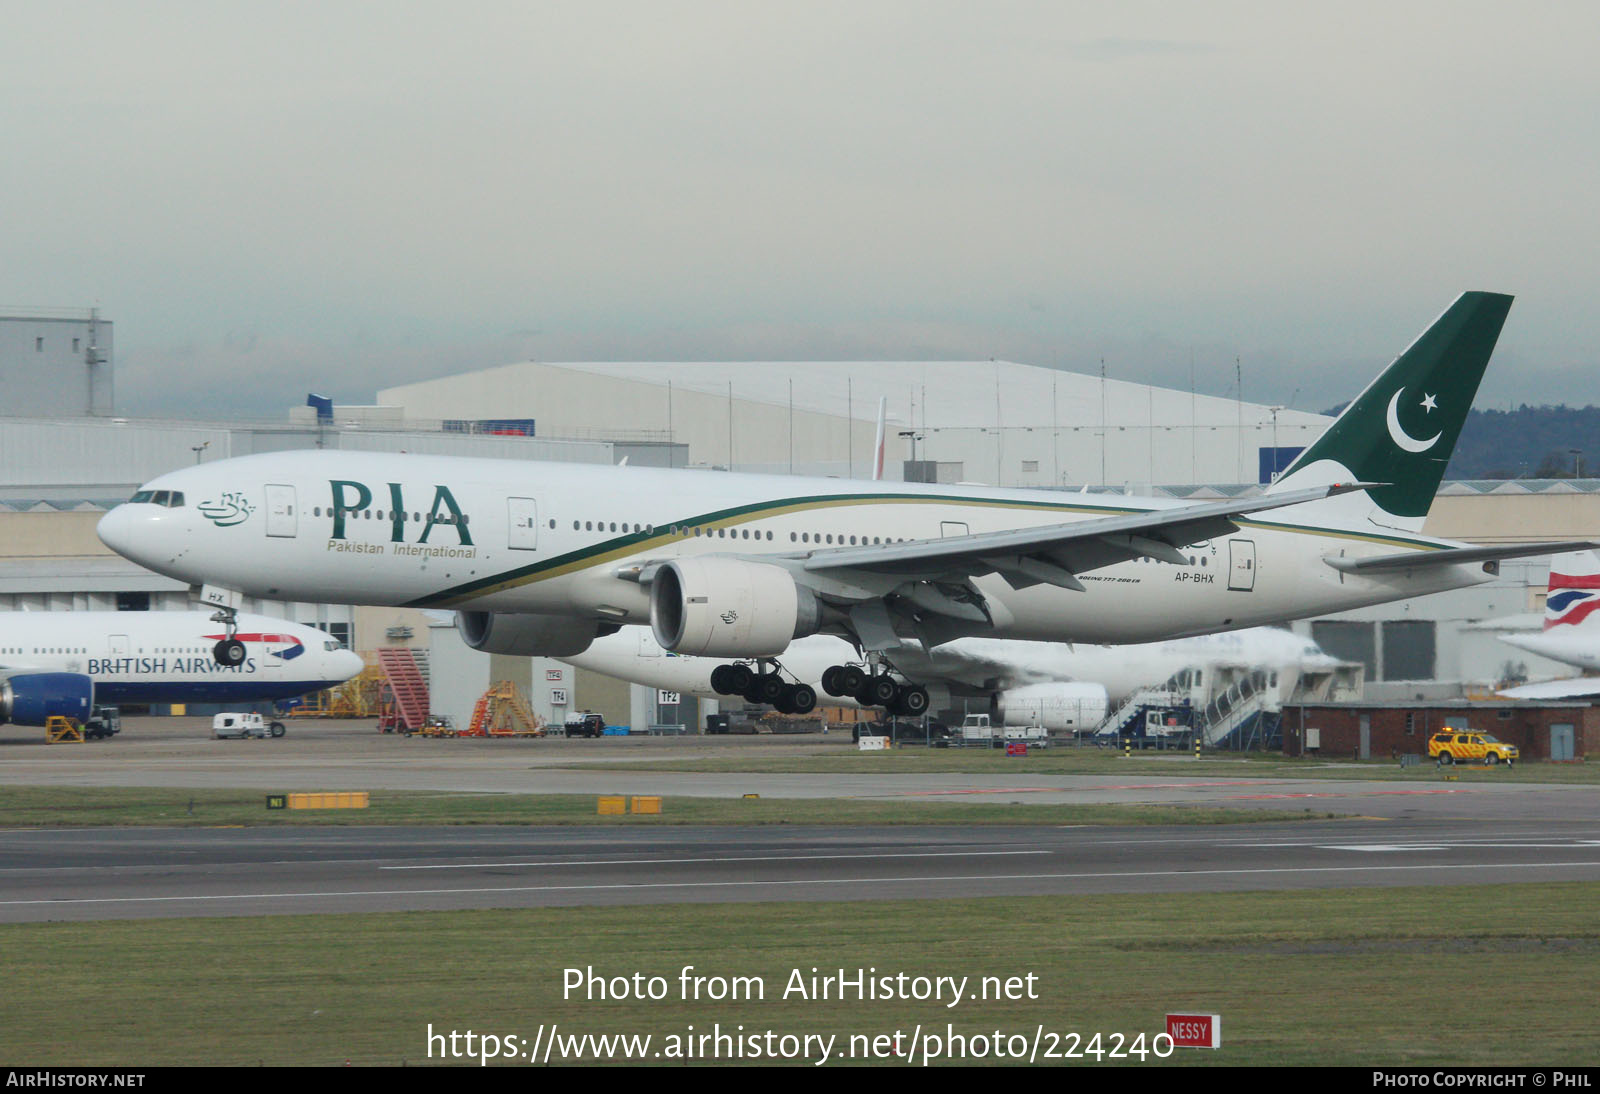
{"type": "Point", "coordinates": [1195, 1030]}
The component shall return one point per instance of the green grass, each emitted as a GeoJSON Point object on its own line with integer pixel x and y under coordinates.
{"type": "Point", "coordinates": [77, 807]}
{"type": "Point", "coordinates": [1484, 976]}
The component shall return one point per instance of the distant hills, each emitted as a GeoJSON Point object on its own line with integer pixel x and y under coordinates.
{"type": "Point", "coordinates": [1530, 442]}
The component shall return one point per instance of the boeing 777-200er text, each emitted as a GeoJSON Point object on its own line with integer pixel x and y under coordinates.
{"type": "Point", "coordinates": [62, 663]}
{"type": "Point", "coordinates": [543, 558]}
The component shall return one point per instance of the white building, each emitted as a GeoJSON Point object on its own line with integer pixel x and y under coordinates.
{"type": "Point", "coordinates": [993, 422]}
{"type": "Point", "coordinates": [55, 361]}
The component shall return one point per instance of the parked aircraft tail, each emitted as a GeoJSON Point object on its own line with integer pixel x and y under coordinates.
{"type": "Point", "coordinates": [1574, 591]}
{"type": "Point", "coordinates": [1401, 430]}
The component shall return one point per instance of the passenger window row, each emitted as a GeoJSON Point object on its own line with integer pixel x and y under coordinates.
{"type": "Point", "coordinates": [380, 514]}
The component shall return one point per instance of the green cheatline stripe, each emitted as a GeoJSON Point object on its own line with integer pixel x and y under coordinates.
{"type": "Point", "coordinates": [631, 544]}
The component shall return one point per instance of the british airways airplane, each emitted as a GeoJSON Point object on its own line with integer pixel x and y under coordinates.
{"type": "Point", "coordinates": [1571, 628]}
{"type": "Point", "coordinates": [542, 559]}
{"type": "Point", "coordinates": [67, 662]}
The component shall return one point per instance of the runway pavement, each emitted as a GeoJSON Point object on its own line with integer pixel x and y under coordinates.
{"type": "Point", "coordinates": [1429, 832]}
{"type": "Point", "coordinates": [350, 756]}
{"type": "Point", "coordinates": [87, 874]}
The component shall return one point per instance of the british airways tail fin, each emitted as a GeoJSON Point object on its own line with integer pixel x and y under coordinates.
{"type": "Point", "coordinates": [1574, 591]}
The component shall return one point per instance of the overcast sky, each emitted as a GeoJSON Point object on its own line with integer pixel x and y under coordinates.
{"type": "Point", "coordinates": [274, 198]}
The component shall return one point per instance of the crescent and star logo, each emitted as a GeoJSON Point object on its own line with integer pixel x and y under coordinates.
{"type": "Point", "coordinates": [1399, 436]}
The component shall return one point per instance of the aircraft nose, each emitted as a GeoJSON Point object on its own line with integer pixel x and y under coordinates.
{"type": "Point", "coordinates": [346, 663]}
{"type": "Point", "coordinates": [146, 534]}
{"type": "Point", "coordinates": [116, 531]}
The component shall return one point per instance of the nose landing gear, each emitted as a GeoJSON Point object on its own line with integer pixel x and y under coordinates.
{"type": "Point", "coordinates": [229, 651]}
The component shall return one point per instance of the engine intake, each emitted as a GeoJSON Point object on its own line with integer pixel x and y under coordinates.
{"type": "Point", "coordinates": [1063, 707]}
{"type": "Point", "coordinates": [724, 607]}
{"type": "Point", "coordinates": [526, 635]}
{"type": "Point", "coordinates": [28, 700]}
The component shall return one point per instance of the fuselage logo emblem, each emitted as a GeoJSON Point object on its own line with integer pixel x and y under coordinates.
{"type": "Point", "coordinates": [730, 617]}
{"type": "Point", "coordinates": [234, 508]}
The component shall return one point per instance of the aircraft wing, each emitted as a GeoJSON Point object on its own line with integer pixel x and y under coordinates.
{"type": "Point", "coordinates": [1053, 554]}
{"type": "Point", "coordinates": [1576, 688]}
{"type": "Point", "coordinates": [1451, 556]}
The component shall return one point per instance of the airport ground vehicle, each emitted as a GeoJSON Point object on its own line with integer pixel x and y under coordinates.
{"type": "Point", "coordinates": [248, 724]}
{"type": "Point", "coordinates": [978, 731]}
{"type": "Point", "coordinates": [1452, 746]}
{"type": "Point", "coordinates": [103, 722]}
{"type": "Point", "coordinates": [583, 723]}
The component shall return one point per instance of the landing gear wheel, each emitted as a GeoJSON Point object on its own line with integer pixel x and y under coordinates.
{"type": "Point", "coordinates": [230, 652]}
{"type": "Point", "coordinates": [803, 698]}
{"type": "Point", "coordinates": [831, 681]}
{"type": "Point", "coordinates": [850, 680]}
{"type": "Point", "coordinates": [739, 679]}
{"type": "Point", "coordinates": [719, 680]}
{"type": "Point", "coordinates": [769, 686]}
{"type": "Point", "coordinates": [877, 691]}
{"type": "Point", "coordinates": [913, 701]}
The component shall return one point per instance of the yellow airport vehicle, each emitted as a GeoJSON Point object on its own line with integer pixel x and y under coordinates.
{"type": "Point", "coordinates": [1464, 746]}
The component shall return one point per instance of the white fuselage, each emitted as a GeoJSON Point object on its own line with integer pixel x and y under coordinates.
{"type": "Point", "coordinates": [165, 657]}
{"type": "Point", "coordinates": [1577, 646]}
{"type": "Point", "coordinates": [981, 664]}
{"type": "Point", "coordinates": [515, 536]}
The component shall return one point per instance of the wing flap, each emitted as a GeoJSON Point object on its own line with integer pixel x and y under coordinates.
{"type": "Point", "coordinates": [1071, 548]}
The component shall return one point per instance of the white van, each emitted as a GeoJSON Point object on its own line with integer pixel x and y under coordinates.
{"type": "Point", "coordinates": [244, 725]}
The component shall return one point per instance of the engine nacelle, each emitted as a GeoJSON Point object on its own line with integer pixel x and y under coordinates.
{"type": "Point", "coordinates": [1070, 708]}
{"type": "Point", "coordinates": [28, 700]}
{"type": "Point", "coordinates": [723, 607]}
{"type": "Point", "coordinates": [523, 634]}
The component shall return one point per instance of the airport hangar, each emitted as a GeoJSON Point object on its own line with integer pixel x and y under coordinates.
{"type": "Point", "coordinates": [984, 421]}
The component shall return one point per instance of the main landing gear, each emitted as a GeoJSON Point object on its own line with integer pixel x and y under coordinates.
{"type": "Point", "coordinates": [876, 689]}
{"type": "Point", "coordinates": [756, 685]}
{"type": "Point", "coordinates": [229, 651]}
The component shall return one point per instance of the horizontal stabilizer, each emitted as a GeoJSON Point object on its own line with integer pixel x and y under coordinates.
{"type": "Point", "coordinates": [1450, 556]}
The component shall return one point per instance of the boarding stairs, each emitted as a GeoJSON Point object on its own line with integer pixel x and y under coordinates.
{"type": "Point", "coordinates": [1235, 715]}
{"type": "Point", "coordinates": [405, 673]}
{"type": "Point", "coordinates": [502, 711]}
{"type": "Point", "coordinates": [1129, 717]}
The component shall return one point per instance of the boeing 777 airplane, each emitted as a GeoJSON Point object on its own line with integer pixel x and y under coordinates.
{"type": "Point", "coordinates": [545, 558]}
{"type": "Point", "coordinates": [1026, 681]}
{"type": "Point", "coordinates": [64, 663]}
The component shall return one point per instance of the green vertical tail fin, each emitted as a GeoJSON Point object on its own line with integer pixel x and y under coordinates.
{"type": "Point", "coordinates": [1402, 429]}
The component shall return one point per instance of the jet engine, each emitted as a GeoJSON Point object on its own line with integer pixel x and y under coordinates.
{"type": "Point", "coordinates": [526, 635]}
{"type": "Point", "coordinates": [27, 700]}
{"type": "Point", "coordinates": [724, 607]}
{"type": "Point", "coordinates": [1065, 707]}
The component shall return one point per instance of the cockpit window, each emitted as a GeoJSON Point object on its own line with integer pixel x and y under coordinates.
{"type": "Point", "coordinates": [171, 499]}
{"type": "Point", "coordinates": [141, 497]}
{"type": "Point", "coordinates": [177, 499]}
{"type": "Point", "coordinates": [331, 645]}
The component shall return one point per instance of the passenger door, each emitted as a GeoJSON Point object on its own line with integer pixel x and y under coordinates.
{"type": "Point", "coordinates": [1241, 564]}
{"type": "Point", "coordinates": [522, 516]}
{"type": "Point", "coordinates": [281, 520]}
